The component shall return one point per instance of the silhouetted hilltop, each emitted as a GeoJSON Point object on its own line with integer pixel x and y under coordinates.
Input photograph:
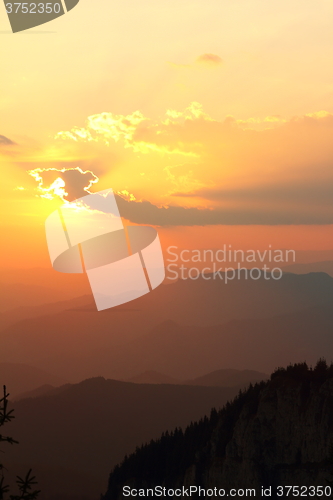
{"type": "Point", "coordinates": [73, 435]}
{"type": "Point", "coordinates": [278, 432]}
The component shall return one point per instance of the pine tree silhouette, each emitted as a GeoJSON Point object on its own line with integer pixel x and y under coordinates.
{"type": "Point", "coordinates": [25, 485]}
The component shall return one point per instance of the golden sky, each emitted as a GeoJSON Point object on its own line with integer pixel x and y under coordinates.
{"type": "Point", "coordinates": [212, 112]}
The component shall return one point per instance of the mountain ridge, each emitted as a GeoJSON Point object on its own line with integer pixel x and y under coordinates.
{"type": "Point", "coordinates": [274, 434]}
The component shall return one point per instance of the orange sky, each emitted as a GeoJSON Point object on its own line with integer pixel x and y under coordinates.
{"type": "Point", "coordinates": [223, 108]}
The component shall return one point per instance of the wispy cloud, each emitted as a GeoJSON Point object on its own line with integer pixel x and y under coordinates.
{"type": "Point", "coordinates": [107, 127]}
{"type": "Point", "coordinates": [209, 59]}
{"type": "Point", "coordinates": [4, 141]}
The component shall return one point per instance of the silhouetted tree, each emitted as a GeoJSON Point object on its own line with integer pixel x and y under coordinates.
{"type": "Point", "coordinates": [25, 484]}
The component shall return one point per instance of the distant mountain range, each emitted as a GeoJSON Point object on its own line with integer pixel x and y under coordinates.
{"type": "Point", "coordinates": [219, 378]}
{"type": "Point", "coordinates": [311, 267]}
{"type": "Point", "coordinates": [181, 352]}
{"type": "Point", "coordinates": [276, 434]}
{"type": "Point", "coordinates": [73, 435]}
{"type": "Point", "coordinates": [182, 330]}
{"type": "Point", "coordinates": [200, 302]}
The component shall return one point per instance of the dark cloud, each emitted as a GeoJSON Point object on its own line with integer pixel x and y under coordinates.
{"type": "Point", "coordinates": [315, 194]}
{"type": "Point", "coordinates": [146, 213]}
{"type": "Point", "coordinates": [4, 141]}
{"type": "Point", "coordinates": [77, 181]}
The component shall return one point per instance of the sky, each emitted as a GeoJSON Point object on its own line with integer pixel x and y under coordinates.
{"type": "Point", "coordinates": [211, 119]}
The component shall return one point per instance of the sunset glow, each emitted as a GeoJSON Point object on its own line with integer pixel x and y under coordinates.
{"type": "Point", "coordinates": [235, 128]}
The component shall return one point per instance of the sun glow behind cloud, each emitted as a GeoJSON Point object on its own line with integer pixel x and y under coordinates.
{"type": "Point", "coordinates": [270, 171]}
{"type": "Point", "coordinates": [239, 170]}
{"type": "Point", "coordinates": [260, 157]}
{"type": "Point", "coordinates": [62, 183]}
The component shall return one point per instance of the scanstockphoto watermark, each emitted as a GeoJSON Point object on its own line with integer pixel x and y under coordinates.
{"type": "Point", "coordinates": [227, 263]}
{"type": "Point", "coordinates": [187, 491]}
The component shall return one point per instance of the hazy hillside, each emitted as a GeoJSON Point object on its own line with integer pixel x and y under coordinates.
{"type": "Point", "coordinates": [17, 295]}
{"type": "Point", "coordinates": [261, 344]}
{"type": "Point", "coordinates": [276, 433]}
{"type": "Point", "coordinates": [181, 352]}
{"type": "Point", "coordinates": [20, 378]}
{"type": "Point", "coordinates": [46, 277]}
{"type": "Point", "coordinates": [34, 393]}
{"type": "Point", "coordinates": [143, 336]}
{"type": "Point", "coordinates": [24, 312]}
{"type": "Point", "coordinates": [198, 302]}
{"type": "Point", "coordinates": [33, 287]}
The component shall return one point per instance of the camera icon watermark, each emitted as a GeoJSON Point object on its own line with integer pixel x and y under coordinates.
{"type": "Point", "coordinates": [122, 262]}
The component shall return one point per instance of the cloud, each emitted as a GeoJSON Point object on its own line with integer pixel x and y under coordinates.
{"type": "Point", "coordinates": [257, 123]}
{"type": "Point", "coordinates": [316, 194]}
{"type": "Point", "coordinates": [4, 141]}
{"type": "Point", "coordinates": [210, 59]}
{"type": "Point", "coordinates": [137, 132]}
{"type": "Point", "coordinates": [67, 183]}
{"type": "Point", "coordinates": [194, 168]}
{"type": "Point", "coordinates": [145, 212]}
{"type": "Point", "coordinates": [107, 127]}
